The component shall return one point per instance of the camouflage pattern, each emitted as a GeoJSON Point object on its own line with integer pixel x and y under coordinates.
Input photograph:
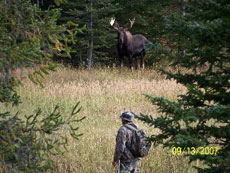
{"type": "Point", "coordinates": [128, 163]}
{"type": "Point", "coordinates": [128, 116]}
{"type": "Point", "coordinates": [129, 167]}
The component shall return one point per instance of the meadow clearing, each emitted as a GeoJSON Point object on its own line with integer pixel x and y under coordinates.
{"type": "Point", "coordinates": [104, 94]}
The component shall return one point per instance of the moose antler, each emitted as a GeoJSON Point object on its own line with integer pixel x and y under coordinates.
{"type": "Point", "coordinates": [132, 22]}
{"type": "Point", "coordinates": [114, 24]}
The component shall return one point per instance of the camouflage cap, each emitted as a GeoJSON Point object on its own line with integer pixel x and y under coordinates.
{"type": "Point", "coordinates": [128, 116]}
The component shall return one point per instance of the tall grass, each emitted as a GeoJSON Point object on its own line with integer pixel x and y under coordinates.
{"type": "Point", "coordinates": [104, 94]}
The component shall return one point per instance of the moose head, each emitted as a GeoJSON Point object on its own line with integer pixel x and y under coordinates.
{"type": "Point", "coordinates": [122, 31]}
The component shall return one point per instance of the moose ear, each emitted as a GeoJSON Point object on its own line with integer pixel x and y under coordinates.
{"type": "Point", "coordinates": [114, 24]}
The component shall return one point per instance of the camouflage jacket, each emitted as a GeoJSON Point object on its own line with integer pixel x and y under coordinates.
{"type": "Point", "coordinates": [123, 144]}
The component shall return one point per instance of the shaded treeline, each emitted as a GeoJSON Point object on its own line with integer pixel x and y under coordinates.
{"type": "Point", "coordinates": [94, 44]}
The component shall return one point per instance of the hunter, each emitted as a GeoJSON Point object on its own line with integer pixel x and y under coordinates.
{"type": "Point", "coordinates": [123, 158]}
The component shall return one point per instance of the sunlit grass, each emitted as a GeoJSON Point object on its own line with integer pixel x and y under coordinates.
{"type": "Point", "coordinates": [103, 94]}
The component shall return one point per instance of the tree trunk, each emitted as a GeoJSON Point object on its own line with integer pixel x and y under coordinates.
{"type": "Point", "coordinates": [181, 50]}
{"type": "Point", "coordinates": [90, 34]}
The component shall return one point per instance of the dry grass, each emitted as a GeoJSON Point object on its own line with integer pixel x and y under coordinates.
{"type": "Point", "coordinates": [104, 94]}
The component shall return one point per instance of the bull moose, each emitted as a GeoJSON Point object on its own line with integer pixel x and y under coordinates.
{"type": "Point", "coordinates": [129, 45]}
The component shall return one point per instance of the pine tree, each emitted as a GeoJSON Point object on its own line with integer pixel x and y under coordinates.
{"type": "Point", "coordinates": [201, 117]}
{"type": "Point", "coordinates": [29, 37]}
{"type": "Point", "coordinates": [94, 43]}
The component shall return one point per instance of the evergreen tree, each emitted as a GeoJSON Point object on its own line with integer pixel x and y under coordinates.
{"type": "Point", "coordinates": [93, 44]}
{"type": "Point", "coordinates": [201, 117]}
{"type": "Point", "coordinates": [71, 24]}
{"type": "Point", "coordinates": [29, 37]}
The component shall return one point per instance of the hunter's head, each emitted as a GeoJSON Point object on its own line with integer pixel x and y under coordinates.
{"type": "Point", "coordinates": [127, 117]}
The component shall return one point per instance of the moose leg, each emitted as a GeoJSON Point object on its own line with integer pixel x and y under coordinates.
{"type": "Point", "coordinates": [138, 63]}
{"type": "Point", "coordinates": [131, 63]}
{"type": "Point", "coordinates": [143, 60]}
{"type": "Point", "coordinates": [121, 60]}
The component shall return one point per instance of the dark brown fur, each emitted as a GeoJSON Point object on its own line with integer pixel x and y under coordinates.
{"type": "Point", "coordinates": [131, 46]}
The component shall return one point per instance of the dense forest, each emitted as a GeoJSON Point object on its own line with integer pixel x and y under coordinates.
{"type": "Point", "coordinates": [191, 35]}
{"type": "Point", "coordinates": [88, 40]}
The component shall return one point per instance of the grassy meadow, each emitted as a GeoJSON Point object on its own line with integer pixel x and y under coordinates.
{"type": "Point", "coordinates": [103, 94]}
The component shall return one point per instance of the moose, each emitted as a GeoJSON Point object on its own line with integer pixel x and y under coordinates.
{"type": "Point", "coordinates": [131, 46]}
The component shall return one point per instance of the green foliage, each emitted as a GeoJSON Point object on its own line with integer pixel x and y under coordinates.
{"type": "Point", "coordinates": [77, 15]}
{"type": "Point", "coordinates": [150, 22]}
{"type": "Point", "coordinates": [81, 12]}
{"type": "Point", "coordinates": [200, 117]}
{"type": "Point", "coordinates": [28, 145]}
{"type": "Point", "coordinates": [29, 37]}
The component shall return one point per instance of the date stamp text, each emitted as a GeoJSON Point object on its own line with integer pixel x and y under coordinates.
{"type": "Point", "coordinates": [194, 150]}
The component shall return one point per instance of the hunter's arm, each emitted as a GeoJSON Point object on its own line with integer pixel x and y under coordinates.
{"type": "Point", "coordinates": [120, 144]}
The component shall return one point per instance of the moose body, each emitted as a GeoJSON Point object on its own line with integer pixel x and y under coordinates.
{"type": "Point", "coordinates": [131, 46]}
